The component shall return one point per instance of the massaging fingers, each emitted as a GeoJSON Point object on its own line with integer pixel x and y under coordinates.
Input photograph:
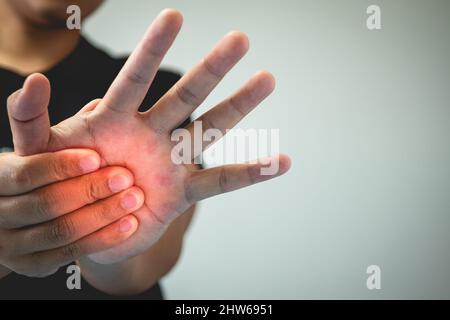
{"type": "Point", "coordinates": [55, 200]}
{"type": "Point", "coordinates": [104, 239]}
{"type": "Point", "coordinates": [210, 182]}
{"type": "Point", "coordinates": [19, 175]}
{"type": "Point", "coordinates": [193, 88]}
{"type": "Point", "coordinates": [28, 115]}
{"type": "Point", "coordinates": [229, 112]}
{"type": "Point", "coordinates": [78, 224]}
{"type": "Point", "coordinates": [132, 83]}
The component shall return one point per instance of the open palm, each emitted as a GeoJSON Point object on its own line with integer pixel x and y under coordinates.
{"type": "Point", "coordinates": [142, 142]}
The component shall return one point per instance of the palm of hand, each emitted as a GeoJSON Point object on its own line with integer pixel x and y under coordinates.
{"type": "Point", "coordinates": [126, 140]}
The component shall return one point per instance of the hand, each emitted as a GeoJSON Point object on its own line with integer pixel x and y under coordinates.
{"type": "Point", "coordinates": [45, 225]}
{"type": "Point", "coordinates": [141, 141]}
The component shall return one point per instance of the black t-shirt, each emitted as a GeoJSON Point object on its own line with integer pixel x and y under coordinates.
{"type": "Point", "coordinates": [82, 76]}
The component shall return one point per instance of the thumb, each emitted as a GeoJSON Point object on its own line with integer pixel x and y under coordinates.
{"type": "Point", "coordinates": [28, 115]}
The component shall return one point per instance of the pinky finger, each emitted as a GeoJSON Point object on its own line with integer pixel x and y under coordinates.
{"type": "Point", "coordinates": [106, 238]}
{"type": "Point", "coordinates": [211, 182]}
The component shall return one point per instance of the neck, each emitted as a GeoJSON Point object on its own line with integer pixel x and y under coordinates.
{"type": "Point", "coordinates": [27, 48]}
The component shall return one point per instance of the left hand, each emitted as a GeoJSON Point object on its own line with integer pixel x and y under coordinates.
{"type": "Point", "coordinates": [141, 142]}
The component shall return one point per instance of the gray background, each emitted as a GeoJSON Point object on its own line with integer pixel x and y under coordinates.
{"type": "Point", "coordinates": [365, 116]}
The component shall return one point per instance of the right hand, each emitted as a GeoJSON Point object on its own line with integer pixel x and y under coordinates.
{"type": "Point", "coordinates": [57, 207]}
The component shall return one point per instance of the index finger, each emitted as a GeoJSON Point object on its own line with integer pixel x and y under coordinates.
{"type": "Point", "coordinates": [129, 88]}
{"type": "Point", "coordinates": [19, 175]}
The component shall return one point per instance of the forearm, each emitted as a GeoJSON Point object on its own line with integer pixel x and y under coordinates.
{"type": "Point", "coordinates": [136, 275]}
{"type": "Point", "coordinates": [4, 271]}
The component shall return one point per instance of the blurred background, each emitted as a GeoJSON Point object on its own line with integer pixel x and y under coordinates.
{"type": "Point", "coordinates": [365, 116]}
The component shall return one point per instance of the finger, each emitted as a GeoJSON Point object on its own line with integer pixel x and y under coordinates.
{"type": "Point", "coordinates": [80, 223]}
{"type": "Point", "coordinates": [28, 115]}
{"type": "Point", "coordinates": [58, 199]}
{"type": "Point", "coordinates": [210, 182]}
{"type": "Point", "coordinates": [106, 238]}
{"type": "Point", "coordinates": [228, 113]}
{"type": "Point", "coordinates": [191, 90]}
{"type": "Point", "coordinates": [132, 83]}
{"type": "Point", "coordinates": [19, 175]}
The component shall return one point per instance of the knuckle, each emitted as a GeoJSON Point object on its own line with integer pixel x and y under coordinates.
{"type": "Point", "coordinates": [21, 177]}
{"type": "Point", "coordinates": [92, 191]}
{"type": "Point", "coordinates": [223, 180]}
{"type": "Point", "coordinates": [42, 205]}
{"type": "Point", "coordinates": [186, 96]}
{"type": "Point", "coordinates": [60, 168]}
{"type": "Point", "coordinates": [213, 71]}
{"type": "Point", "coordinates": [60, 232]}
{"type": "Point", "coordinates": [70, 252]}
{"type": "Point", "coordinates": [236, 107]}
{"type": "Point", "coordinates": [107, 212]}
{"type": "Point", "coordinates": [136, 78]}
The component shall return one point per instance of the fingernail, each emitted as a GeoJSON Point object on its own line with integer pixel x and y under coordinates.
{"type": "Point", "coordinates": [119, 183]}
{"type": "Point", "coordinates": [130, 201]}
{"type": "Point", "coordinates": [125, 225]}
{"type": "Point", "coordinates": [89, 164]}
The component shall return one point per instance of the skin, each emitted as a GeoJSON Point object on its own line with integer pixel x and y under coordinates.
{"type": "Point", "coordinates": [113, 127]}
{"type": "Point", "coordinates": [35, 215]}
